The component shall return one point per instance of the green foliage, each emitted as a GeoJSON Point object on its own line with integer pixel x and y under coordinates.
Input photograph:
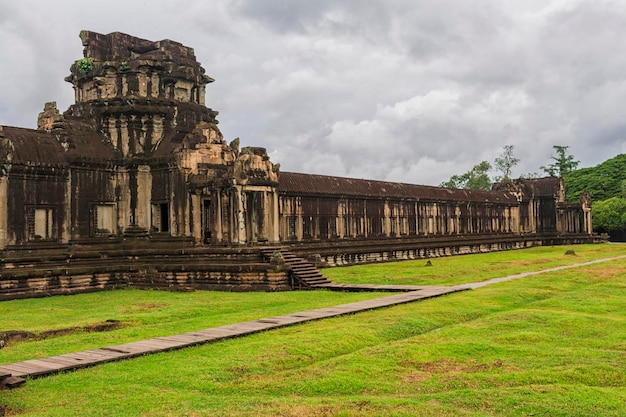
{"type": "Point", "coordinates": [562, 162]}
{"type": "Point", "coordinates": [124, 65]}
{"type": "Point", "coordinates": [506, 161]}
{"type": "Point", "coordinates": [604, 181]}
{"type": "Point", "coordinates": [84, 65]}
{"type": "Point", "coordinates": [475, 179]}
{"type": "Point", "coordinates": [478, 177]}
{"type": "Point", "coordinates": [609, 215]}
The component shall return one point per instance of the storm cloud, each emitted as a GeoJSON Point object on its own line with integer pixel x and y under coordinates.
{"type": "Point", "coordinates": [411, 91]}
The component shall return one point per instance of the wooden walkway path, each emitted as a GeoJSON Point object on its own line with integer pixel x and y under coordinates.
{"type": "Point", "coordinates": [40, 367]}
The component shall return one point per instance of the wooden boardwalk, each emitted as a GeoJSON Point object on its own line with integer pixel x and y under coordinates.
{"type": "Point", "coordinates": [40, 367]}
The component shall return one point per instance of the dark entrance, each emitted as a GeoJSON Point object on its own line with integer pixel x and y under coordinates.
{"type": "Point", "coordinates": [165, 217]}
{"type": "Point", "coordinates": [207, 221]}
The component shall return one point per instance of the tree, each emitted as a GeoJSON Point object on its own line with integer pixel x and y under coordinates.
{"type": "Point", "coordinates": [474, 179]}
{"type": "Point", "coordinates": [506, 161]}
{"type": "Point", "coordinates": [609, 215]}
{"type": "Point", "coordinates": [562, 162]}
{"type": "Point", "coordinates": [603, 181]}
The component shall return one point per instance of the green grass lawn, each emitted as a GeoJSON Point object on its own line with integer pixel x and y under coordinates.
{"type": "Point", "coordinates": [454, 270]}
{"type": "Point", "coordinates": [550, 345]}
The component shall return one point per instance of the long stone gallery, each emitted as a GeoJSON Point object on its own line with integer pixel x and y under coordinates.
{"type": "Point", "coordinates": [135, 185]}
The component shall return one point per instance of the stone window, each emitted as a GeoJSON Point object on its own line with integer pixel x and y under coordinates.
{"type": "Point", "coordinates": [332, 227]}
{"type": "Point", "coordinates": [103, 220]}
{"type": "Point", "coordinates": [323, 225]}
{"type": "Point", "coordinates": [333, 230]}
{"type": "Point", "coordinates": [41, 224]}
{"type": "Point", "coordinates": [359, 226]}
{"type": "Point", "coordinates": [291, 227]}
{"type": "Point", "coordinates": [161, 217]}
{"type": "Point", "coordinates": [412, 225]}
{"type": "Point", "coordinates": [307, 227]}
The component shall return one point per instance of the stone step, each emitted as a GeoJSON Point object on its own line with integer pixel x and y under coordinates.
{"type": "Point", "coordinates": [306, 273]}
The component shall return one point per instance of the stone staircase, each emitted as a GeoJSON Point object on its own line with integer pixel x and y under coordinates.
{"type": "Point", "coordinates": [305, 274]}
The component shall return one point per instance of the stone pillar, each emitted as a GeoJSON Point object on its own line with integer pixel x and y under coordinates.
{"type": "Point", "coordinates": [341, 218]}
{"type": "Point", "coordinates": [65, 232]}
{"type": "Point", "coordinates": [275, 231]}
{"type": "Point", "coordinates": [297, 211]}
{"type": "Point", "coordinates": [387, 219]}
{"type": "Point", "coordinates": [123, 199]}
{"type": "Point", "coordinates": [532, 217]}
{"type": "Point", "coordinates": [144, 196]}
{"type": "Point", "coordinates": [4, 214]}
{"type": "Point", "coordinates": [195, 214]}
{"type": "Point", "coordinates": [240, 220]}
{"type": "Point", "coordinates": [219, 229]}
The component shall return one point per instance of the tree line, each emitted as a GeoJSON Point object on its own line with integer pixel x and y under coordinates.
{"type": "Point", "coordinates": [478, 178]}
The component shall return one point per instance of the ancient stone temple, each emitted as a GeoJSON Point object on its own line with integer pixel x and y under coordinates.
{"type": "Point", "coordinates": [139, 154]}
{"type": "Point", "coordinates": [138, 164]}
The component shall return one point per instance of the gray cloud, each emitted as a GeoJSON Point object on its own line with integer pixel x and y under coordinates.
{"type": "Point", "coordinates": [403, 90]}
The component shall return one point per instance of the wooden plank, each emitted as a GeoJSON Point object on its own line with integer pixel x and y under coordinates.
{"type": "Point", "coordinates": [84, 356]}
{"type": "Point", "coordinates": [184, 339]}
{"type": "Point", "coordinates": [5, 372]}
{"type": "Point", "coordinates": [46, 367]}
{"type": "Point", "coordinates": [17, 369]}
{"type": "Point", "coordinates": [61, 360]}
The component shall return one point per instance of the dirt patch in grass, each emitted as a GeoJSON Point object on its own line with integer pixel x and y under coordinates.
{"type": "Point", "coordinates": [152, 305]}
{"type": "Point", "coordinates": [451, 368]}
{"type": "Point", "coordinates": [441, 366]}
{"type": "Point", "coordinates": [301, 410]}
{"type": "Point", "coordinates": [607, 271]}
{"type": "Point", "coordinates": [13, 336]}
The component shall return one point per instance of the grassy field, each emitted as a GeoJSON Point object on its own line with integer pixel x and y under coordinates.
{"type": "Point", "coordinates": [550, 345]}
{"type": "Point", "coordinates": [454, 270]}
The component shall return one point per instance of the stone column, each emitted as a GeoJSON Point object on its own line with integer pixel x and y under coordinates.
{"type": "Point", "coordinates": [240, 220]}
{"type": "Point", "coordinates": [195, 213]}
{"type": "Point", "coordinates": [275, 231]}
{"type": "Point", "coordinates": [387, 219]}
{"type": "Point", "coordinates": [341, 218]}
{"type": "Point", "coordinates": [297, 211]}
{"type": "Point", "coordinates": [4, 215]}
{"type": "Point", "coordinates": [65, 232]}
{"type": "Point", "coordinates": [144, 196]}
{"type": "Point", "coordinates": [123, 199]}
{"type": "Point", "coordinates": [219, 234]}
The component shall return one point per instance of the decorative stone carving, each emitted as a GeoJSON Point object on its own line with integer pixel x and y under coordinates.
{"type": "Point", "coordinates": [50, 118]}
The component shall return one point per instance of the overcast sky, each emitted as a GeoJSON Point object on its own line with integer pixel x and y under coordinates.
{"type": "Point", "coordinates": [401, 90]}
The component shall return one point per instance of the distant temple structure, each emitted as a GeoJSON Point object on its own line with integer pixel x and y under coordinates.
{"type": "Point", "coordinates": [139, 158]}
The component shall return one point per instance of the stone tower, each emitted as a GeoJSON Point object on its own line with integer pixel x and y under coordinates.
{"type": "Point", "coordinates": [138, 92]}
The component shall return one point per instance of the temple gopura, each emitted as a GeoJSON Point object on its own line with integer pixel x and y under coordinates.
{"type": "Point", "coordinates": [135, 185]}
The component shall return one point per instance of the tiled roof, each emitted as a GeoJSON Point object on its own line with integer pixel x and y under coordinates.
{"type": "Point", "coordinates": [34, 147]}
{"type": "Point", "coordinates": [543, 187]}
{"type": "Point", "coordinates": [323, 185]}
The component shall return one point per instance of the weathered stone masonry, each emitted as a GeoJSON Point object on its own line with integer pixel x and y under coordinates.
{"type": "Point", "coordinates": [139, 157]}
